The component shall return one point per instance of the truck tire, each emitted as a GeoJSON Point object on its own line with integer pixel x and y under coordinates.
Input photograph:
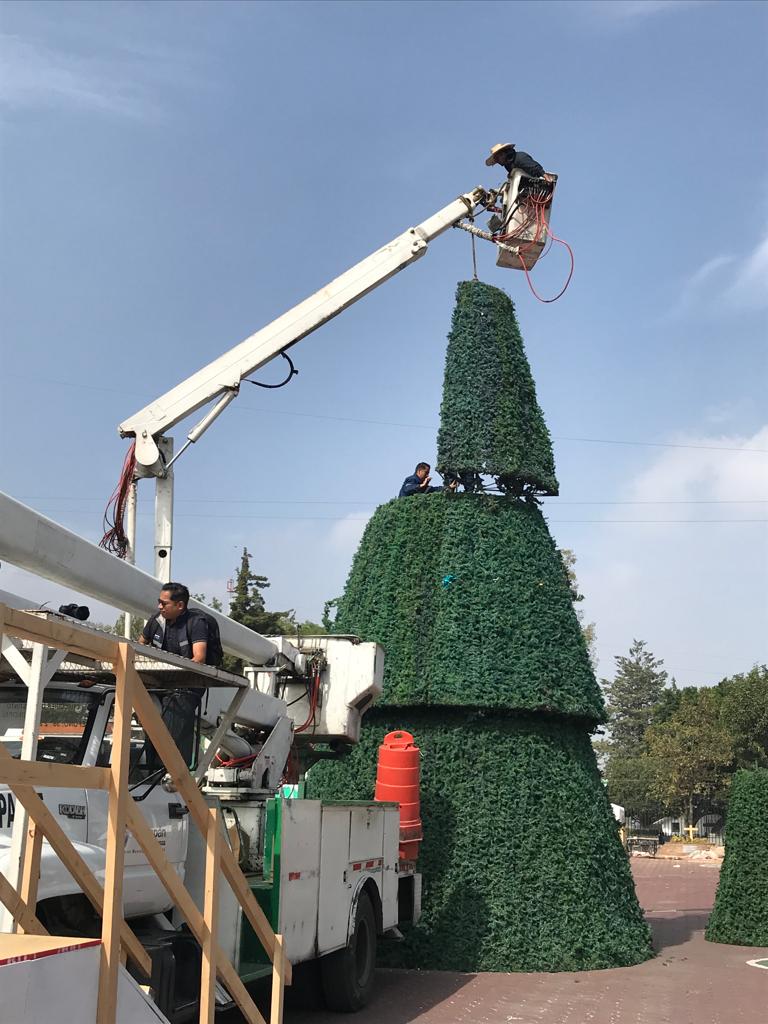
{"type": "Point", "coordinates": [348, 974]}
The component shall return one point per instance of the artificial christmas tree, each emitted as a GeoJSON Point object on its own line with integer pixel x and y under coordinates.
{"type": "Point", "coordinates": [740, 915]}
{"type": "Point", "coordinates": [487, 667]}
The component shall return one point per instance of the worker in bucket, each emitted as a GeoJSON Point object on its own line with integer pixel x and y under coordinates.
{"type": "Point", "coordinates": [419, 482]}
{"type": "Point", "coordinates": [177, 630]}
{"type": "Point", "coordinates": [511, 159]}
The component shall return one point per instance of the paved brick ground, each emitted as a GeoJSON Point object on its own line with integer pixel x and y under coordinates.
{"type": "Point", "coordinates": [689, 982]}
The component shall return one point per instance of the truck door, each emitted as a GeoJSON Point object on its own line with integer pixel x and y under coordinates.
{"type": "Point", "coordinates": [143, 892]}
{"type": "Point", "coordinates": [65, 721]}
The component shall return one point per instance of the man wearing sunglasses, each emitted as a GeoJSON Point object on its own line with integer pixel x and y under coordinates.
{"type": "Point", "coordinates": [172, 628]}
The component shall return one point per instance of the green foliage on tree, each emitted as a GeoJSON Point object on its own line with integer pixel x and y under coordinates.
{"type": "Point", "coordinates": [490, 420]}
{"type": "Point", "coordinates": [636, 689]}
{"type": "Point", "coordinates": [745, 716]}
{"type": "Point", "coordinates": [292, 627]}
{"type": "Point", "coordinates": [486, 664]}
{"type": "Point", "coordinates": [740, 914]}
{"type": "Point", "coordinates": [690, 754]}
{"type": "Point", "coordinates": [247, 605]}
{"type": "Point", "coordinates": [636, 696]}
{"type": "Point", "coordinates": [696, 739]}
{"type": "Point", "coordinates": [472, 603]}
{"type": "Point", "coordinates": [630, 779]}
{"type": "Point", "coordinates": [522, 863]}
{"type": "Point", "coordinates": [588, 629]}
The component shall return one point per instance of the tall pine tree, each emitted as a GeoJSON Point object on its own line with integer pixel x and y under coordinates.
{"type": "Point", "coordinates": [247, 605]}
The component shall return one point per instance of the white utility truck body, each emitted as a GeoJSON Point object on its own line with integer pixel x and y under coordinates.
{"type": "Point", "coordinates": [308, 863]}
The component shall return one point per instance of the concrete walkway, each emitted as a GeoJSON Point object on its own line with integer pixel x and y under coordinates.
{"type": "Point", "coordinates": [689, 982]}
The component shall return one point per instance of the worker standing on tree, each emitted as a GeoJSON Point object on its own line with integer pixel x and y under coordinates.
{"type": "Point", "coordinates": [505, 154]}
{"type": "Point", "coordinates": [419, 482]}
{"type": "Point", "coordinates": [175, 630]}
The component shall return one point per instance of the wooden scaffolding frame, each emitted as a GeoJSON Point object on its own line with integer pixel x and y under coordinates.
{"type": "Point", "coordinates": [117, 939]}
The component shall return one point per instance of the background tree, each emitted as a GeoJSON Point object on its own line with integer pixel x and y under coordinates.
{"type": "Point", "coordinates": [745, 716]}
{"type": "Point", "coordinates": [588, 629]}
{"type": "Point", "coordinates": [637, 688]}
{"type": "Point", "coordinates": [635, 697]}
{"type": "Point", "coordinates": [247, 605]}
{"type": "Point", "coordinates": [290, 626]}
{"type": "Point", "coordinates": [691, 754]}
{"type": "Point", "coordinates": [137, 625]}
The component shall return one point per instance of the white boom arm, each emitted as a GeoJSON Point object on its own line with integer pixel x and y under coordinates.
{"type": "Point", "coordinates": [33, 542]}
{"type": "Point", "coordinates": [221, 378]}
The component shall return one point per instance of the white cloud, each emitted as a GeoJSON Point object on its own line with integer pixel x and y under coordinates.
{"type": "Point", "coordinates": [749, 286]}
{"type": "Point", "coordinates": [692, 587]}
{"type": "Point", "coordinates": [346, 534]}
{"type": "Point", "coordinates": [623, 12]}
{"type": "Point", "coordinates": [725, 283]}
{"type": "Point", "coordinates": [700, 474]}
{"type": "Point", "coordinates": [35, 75]}
{"type": "Point", "coordinates": [103, 75]}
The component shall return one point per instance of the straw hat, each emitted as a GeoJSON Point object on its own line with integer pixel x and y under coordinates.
{"type": "Point", "coordinates": [495, 150]}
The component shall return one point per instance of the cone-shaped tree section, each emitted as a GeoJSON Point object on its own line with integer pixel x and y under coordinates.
{"type": "Point", "coordinates": [468, 595]}
{"type": "Point", "coordinates": [522, 865]}
{"type": "Point", "coordinates": [490, 420]}
{"type": "Point", "coordinates": [740, 915]}
{"type": "Point", "coordinates": [486, 665]}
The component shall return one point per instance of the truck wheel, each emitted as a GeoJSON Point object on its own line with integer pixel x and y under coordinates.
{"type": "Point", "coordinates": [348, 973]}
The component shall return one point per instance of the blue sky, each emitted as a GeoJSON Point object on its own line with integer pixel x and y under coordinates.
{"type": "Point", "coordinates": [176, 175]}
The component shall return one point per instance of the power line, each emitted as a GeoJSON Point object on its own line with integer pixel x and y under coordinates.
{"type": "Point", "coordinates": [408, 426]}
{"type": "Point", "coordinates": [376, 501]}
{"type": "Point", "coordinates": [361, 519]}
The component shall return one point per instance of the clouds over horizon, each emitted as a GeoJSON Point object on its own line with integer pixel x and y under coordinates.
{"type": "Point", "coordinates": [726, 283]}
{"type": "Point", "coordinates": [126, 82]}
{"type": "Point", "coordinates": [687, 569]}
{"type": "Point", "coordinates": [630, 12]}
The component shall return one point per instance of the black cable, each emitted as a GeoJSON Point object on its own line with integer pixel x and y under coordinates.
{"type": "Point", "coordinates": [293, 372]}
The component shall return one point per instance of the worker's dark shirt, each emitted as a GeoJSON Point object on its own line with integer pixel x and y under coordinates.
{"type": "Point", "coordinates": [521, 161]}
{"type": "Point", "coordinates": [179, 706]}
{"type": "Point", "coordinates": [412, 485]}
{"type": "Point", "coordinates": [178, 636]}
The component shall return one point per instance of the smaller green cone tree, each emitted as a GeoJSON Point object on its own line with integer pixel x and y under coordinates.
{"type": "Point", "coordinates": [490, 419]}
{"type": "Point", "coordinates": [740, 915]}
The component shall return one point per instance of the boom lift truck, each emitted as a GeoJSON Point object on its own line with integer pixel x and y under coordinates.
{"type": "Point", "coordinates": [328, 876]}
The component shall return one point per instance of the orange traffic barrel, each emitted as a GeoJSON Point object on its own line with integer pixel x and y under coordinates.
{"type": "Point", "coordinates": [397, 781]}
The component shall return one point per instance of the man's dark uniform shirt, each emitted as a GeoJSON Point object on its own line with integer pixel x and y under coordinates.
{"type": "Point", "coordinates": [512, 159]}
{"type": "Point", "coordinates": [179, 706]}
{"type": "Point", "coordinates": [412, 485]}
{"type": "Point", "coordinates": [177, 637]}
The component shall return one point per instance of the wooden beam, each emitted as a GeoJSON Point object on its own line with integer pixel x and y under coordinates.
{"type": "Point", "coordinates": [64, 636]}
{"type": "Point", "coordinates": [278, 982]}
{"type": "Point", "coordinates": [60, 776]}
{"type": "Point", "coordinates": [154, 727]}
{"type": "Point", "coordinates": [30, 868]}
{"type": "Point", "coordinates": [19, 909]}
{"type": "Point", "coordinates": [210, 918]}
{"type": "Point", "coordinates": [73, 862]}
{"type": "Point", "coordinates": [166, 872]}
{"type": "Point", "coordinates": [112, 917]}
